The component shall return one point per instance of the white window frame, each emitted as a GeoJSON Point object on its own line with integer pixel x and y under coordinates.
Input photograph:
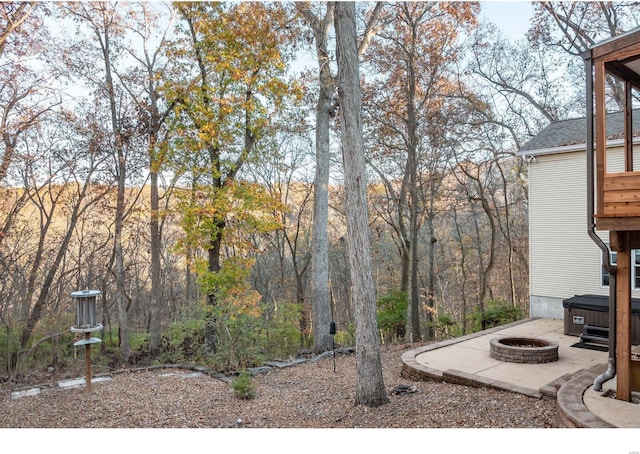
{"type": "Point", "coordinates": [635, 268]}
{"type": "Point", "coordinates": [604, 273]}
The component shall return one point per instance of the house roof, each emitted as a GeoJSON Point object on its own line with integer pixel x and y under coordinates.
{"type": "Point", "coordinates": [566, 133]}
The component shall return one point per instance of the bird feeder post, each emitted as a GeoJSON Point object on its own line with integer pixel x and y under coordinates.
{"type": "Point", "coordinates": [332, 331]}
{"type": "Point", "coordinates": [86, 323]}
{"type": "Point", "coordinates": [87, 363]}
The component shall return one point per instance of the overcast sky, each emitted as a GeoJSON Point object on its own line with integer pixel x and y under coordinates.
{"type": "Point", "coordinates": [512, 17]}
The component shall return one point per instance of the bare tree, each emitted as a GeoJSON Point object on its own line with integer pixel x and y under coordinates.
{"type": "Point", "coordinates": [285, 177]}
{"type": "Point", "coordinates": [571, 28]}
{"type": "Point", "coordinates": [524, 88]}
{"type": "Point", "coordinates": [23, 92]}
{"type": "Point", "coordinates": [104, 24]}
{"type": "Point", "coordinates": [144, 89]}
{"type": "Point", "coordinates": [69, 189]}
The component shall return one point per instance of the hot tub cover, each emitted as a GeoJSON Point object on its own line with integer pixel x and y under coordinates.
{"type": "Point", "coordinates": [597, 303]}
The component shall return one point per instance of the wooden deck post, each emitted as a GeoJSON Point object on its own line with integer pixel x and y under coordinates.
{"type": "Point", "coordinates": [623, 315]}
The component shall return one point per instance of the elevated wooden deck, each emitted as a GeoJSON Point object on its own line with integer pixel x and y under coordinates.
{"type": "Point", "coordinates": [620, 207]}
{"type": "Point", "coordinates": [618, 194]}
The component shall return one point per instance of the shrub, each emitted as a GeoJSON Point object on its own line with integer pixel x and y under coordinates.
{"type": "Point", "coordinates": [243, 386]}
{"type": "Point", "coordinates": [392, 314]}
{"type": "Point", "coordinates": [182, 342]}
{"type": "Point", "coordinates": [497, 312]}
{"type": "Point", "coordinates": [346, 337]}
{"type": "Point", "coordinates": [281, 335]}
{"type": "Point", "coordinates": [237, 338]}
{"type": "Point", "coordinates": [446, 326]}
{"type": "Point", "coordinates": [51, 345]}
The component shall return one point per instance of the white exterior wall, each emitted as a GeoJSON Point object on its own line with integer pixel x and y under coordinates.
{"type": "Point", "coordinates": [564, 260]}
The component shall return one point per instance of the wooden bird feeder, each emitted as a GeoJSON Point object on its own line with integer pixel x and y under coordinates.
{"type": "Point", "coordinates": [86, 323]}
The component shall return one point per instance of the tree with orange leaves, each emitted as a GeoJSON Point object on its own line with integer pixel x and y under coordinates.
{"type": "Point", "coordinates": [411, 101]}
{"type": "Point", "coordinates": [229, 87]}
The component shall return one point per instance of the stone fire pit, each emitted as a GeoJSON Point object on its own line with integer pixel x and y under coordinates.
{"type": "Point", "coordinates": [523, 350]}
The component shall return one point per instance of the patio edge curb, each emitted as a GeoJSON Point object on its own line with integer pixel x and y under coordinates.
{"type": "Point", "coordinates": [567, 391]}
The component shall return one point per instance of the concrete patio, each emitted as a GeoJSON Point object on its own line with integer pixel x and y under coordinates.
{"type": "Point", "coordinates": [466, 360]}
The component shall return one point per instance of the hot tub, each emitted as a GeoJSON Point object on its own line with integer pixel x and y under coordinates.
{"type": "Point", "coordinates": [593, 310]}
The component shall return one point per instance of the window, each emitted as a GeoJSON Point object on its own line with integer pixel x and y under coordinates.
{"type": "Point", "coordinates": [635, 268]}
{"type": "Point", "coordinates": [604, 280]}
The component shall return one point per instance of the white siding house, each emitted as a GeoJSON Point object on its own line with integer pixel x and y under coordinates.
{"type": "Point", "coordinates": [563, 260]}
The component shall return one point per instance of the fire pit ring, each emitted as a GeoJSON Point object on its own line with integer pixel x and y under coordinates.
{"type": "Point", "coordinates": [523, 350]}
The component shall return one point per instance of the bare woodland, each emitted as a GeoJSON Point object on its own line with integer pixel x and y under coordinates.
{"type": "Point", "coordinates": [230, 201]}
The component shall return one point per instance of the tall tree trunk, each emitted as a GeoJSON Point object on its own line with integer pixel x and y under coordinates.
{"type": "Point", "coordinates": [214, 252]}
{"type": "Point", "coordinates": [321, 304]}
{"type": "Point", "coordinates": [431, 282]}
{"type": "Point", "coordinates": [412, 161]}
{"type": "Point", "coordinates": [404, 266]}
{"type": "Point", "coordinates": [155, 335]}
{"type": "Point", "coordinates": [123, 322]}
{"type": "Point", "coordinates": [320, 298]}
{"type": "Point", "coordinates": [486, 272]}
{"type": "Point", "coordinates": [463, 270]}
{"type": "Point", "coordinates": [158, 302]}
{"type": "Point", "coordinates": [370, 390]}
{"type": "Point", "coordinates": [506, 231]}
{"type": "Point", "coordinates": [121, 172]}
{"type": "Point", "coordinates": [406, 251]}
{"type": "Point", "coordinates": [413, 315]}
{"type": "Point", "coordinates": [325, 109]}
{"type": "Point", "coordinates": [304, 317]}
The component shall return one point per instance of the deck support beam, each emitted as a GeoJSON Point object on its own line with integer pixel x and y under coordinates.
{"type": "Point", "coordinates": [621, 240]}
